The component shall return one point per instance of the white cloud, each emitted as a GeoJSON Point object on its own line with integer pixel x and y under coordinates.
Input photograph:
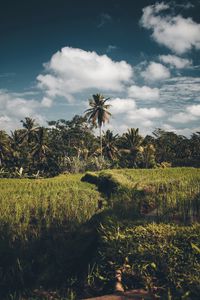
{"type": "Point", "coordinates": [155, 71]}
{"type": "Point", "coordinates": [74, 70]}
{"type": "Point", "coordinates": [175, 61]}
{"type": "Point", "coordinates": [6, 123]}
{"type": "Point", "coordinates": [194, 110]}
{"type": "Point", "coordinates": [174, 32]}
{"type": "Point", "coordinates": [144, 117]}
{"type": "Point", "coordinates": [183, 5]}
{"type": "Point", "coordinates": [180, 90]}
{"type": "Point", "coordinates": [181, 131]}
{"type": "Point", "coordinates": [46, 102]}
{"type": "Point", "coordinates": [120, 106]}
{"type": "Point", "coordinates": [126, 111]}
{"type": "Point", "coordinates": [192, 113]}
{"type": "Point", "coordinates": [143, 93]}
{"type": "Point", "coordinates": [182, 117]}
{"type": "Point", "coordinates": [14, 108]}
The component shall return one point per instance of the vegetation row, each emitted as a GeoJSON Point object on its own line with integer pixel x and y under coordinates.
{"type": "Point", "coordinates": [74, 146]}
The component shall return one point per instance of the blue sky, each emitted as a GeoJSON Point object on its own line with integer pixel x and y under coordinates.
{"type": "Point", "coordinates": [144, 55]}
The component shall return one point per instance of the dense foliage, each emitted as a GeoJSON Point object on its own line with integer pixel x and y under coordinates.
{"type": "Point", "coordinates": [164, 259]}
{"type": "Point", "coordinates": [72, 146]}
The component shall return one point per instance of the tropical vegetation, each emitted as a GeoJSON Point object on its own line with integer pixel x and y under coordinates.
{"type": "Point", "coordinates": [73, 146]}
{"type": "Point", "coordinates": [78, 206]}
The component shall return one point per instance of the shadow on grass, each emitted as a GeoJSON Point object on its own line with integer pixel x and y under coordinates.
{"type": "Point", "coordinates": [47, 260]}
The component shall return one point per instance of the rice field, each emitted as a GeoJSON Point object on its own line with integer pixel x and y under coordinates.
{"type": "Point", "coordinates": [170, 192]}
{"type": "Point", "coordinates": [63, 200]}
{"type": "Point", "coordinates": [47, 237]}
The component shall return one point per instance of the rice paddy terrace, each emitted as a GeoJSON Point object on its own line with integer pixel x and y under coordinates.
{"type": "Point", "coordinates": [70, 233]}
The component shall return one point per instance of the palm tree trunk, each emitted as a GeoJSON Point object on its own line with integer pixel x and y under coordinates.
{"type": "Point", "coordinates": [101, 141]}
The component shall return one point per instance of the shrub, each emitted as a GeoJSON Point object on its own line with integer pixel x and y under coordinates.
{"type": "Point", "coordinates": [165, 259]}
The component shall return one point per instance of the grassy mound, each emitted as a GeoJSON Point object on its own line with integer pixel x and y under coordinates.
{"type": "Point", "coordinates": [168, 194]}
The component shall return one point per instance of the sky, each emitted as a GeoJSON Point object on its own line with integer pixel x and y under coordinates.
{"type": "Point", "coordinates": [144, 55]}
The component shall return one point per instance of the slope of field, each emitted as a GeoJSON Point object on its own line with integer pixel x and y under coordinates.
{"type": "Point", "coordinates": [170, 193]}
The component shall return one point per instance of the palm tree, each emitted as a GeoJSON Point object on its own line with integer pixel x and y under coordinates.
{"type": "Point", "coordinates": [132, 143]}
{"type": "Point", "coordinates": [5, 149]}
{"type": "Point", "coordinates": [98, 114]}
{"type": "Point", "coordinates": [30, 128]}
{"type": "Point", "coordinates": [109, 144]}
{"type": "Point", "coordinates": [41, 149]}
{"type": "Point", "coordinates": [17, 149]}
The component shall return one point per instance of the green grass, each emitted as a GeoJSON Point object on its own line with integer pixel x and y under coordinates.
{"type": "Point", "coordinates": [162, 258]}
{"type": "Point", "coordinates": [43, 240]}
{"type": "Point", "coordinates": [45, 202]}
{"type": "Point", "coordinates": [50, 230]}
{"type": "Point", "coordinates": [171, 193]}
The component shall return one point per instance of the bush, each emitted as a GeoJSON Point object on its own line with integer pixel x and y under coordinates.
{"type": "Point", "coordinates": [165, 259]}
{"type": "Point", "coordinates": [79, 165]}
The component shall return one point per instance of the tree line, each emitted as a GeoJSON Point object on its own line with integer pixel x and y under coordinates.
{"type": "Point", "coordinates": [72, 146]}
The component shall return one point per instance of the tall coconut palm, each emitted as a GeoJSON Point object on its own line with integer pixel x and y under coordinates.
{"type": "Point", "coordinates": [98, 114]}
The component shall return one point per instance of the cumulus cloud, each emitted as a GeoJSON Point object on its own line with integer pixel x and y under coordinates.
{"type": "Point", "coordinates": [14, 108]}
{"type": "Point", "coordinates": [74, 70]}
{"type": "Point", "coordinates": [191, 113]}
{"type": "Point", "coordinates": [175, 61]}
{"type": "Point", "coordinates": [177, 33]}
{"type": "Point", "coordinates": [120, 106]}
{"type": "Point", "coordinates": [143, 93]}
{"type": "Point", "coordinates": [127, 110]}
{"type": "Point", "coordinates": [145, 116]}
{"type": "Point", "coordinates": [155, 71]}
{"type": "Point", "coordinates": [194, 110]}
{"type": "Point", "coordinates": [182, 117]}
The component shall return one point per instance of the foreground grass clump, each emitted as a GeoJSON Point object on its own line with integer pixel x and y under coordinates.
{"type": "Point", "coordinates": [165, 259]}
{"type": "Point", "coordinates": [42, 240]}
{"type": "Point", "coordinates": [172, 193]}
